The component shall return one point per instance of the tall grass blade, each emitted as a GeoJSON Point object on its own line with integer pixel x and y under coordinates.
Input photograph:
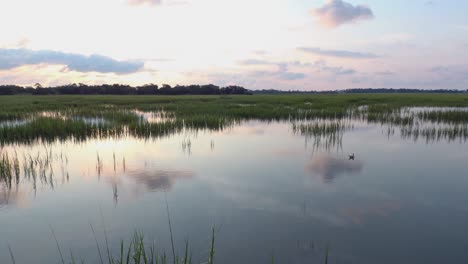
{"type": "Point", "coordinates": [186, 252]}
{"type": "Point", "coordinates": [128, 253]}
{"type": "Point", "coordinates": [327, 253]}
{"type": "Point", "coordinates": [105, 235]}
{"type": "Point", "coordinates": [57, 243]}
{"type": "Point", "coordinates": [97, 244]}
{"type": "Point", "coordinates": [11, 254]}
{"type": "Point", "coordinates": [212, 251]}
{"type": "Point", "coordinates": [170, 227]}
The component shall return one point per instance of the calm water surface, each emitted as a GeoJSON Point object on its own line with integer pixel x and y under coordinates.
{"type": "Point", "coordinates": [268, 190]}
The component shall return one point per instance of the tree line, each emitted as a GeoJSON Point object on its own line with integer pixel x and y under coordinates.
{"type": "Point", "coordinates": [120, 89]}
{"type": "Point", "coordinates": [165, 89]}
{"type": "Point", "coordinates": [361, 90]}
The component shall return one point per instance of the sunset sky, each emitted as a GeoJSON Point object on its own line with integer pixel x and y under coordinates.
{"type": "Point", "coordinates": [259, 44]}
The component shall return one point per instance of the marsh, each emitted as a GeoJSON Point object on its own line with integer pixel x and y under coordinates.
{"type": "Point", "coordinates": [268, 183]}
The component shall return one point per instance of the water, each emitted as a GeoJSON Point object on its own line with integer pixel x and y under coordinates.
{"type": "Point", "coordinates": [268, 189]}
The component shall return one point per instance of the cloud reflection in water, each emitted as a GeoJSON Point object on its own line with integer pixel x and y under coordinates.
{"type": "Point", "coordinates": [329, 168]}
{"type": "Point", "coordinates": [13, 196]}
{"type": "Point", "coordinates": [159, 180]}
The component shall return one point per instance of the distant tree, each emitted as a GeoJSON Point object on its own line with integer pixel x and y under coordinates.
{"type": "Point", "coordinates": [11, 90]}
{"type": "Point", "coordinates": [120, 89]}
{"type": "Point", "coordinates": [147, 89]}
{"type": "Point", "coordinates": [234, 90]}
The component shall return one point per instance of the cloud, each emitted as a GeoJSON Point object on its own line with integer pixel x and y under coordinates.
{"type": "Point", "coordinates": [13, 197]}
{"type": "Point", "coordinates": [339, 53]}
{"type": "Point", "coordinates": [321, 66]}
{"type": "Point", "coordinates": [450, 73]}
{"type": "Point", "coordinates": [255, 62]}
{"type": "Point", "coordinates": [286, 75]}
{"type": "Point", "coordinates": [440, 69]}
{"type": "Point", "coordinates": [385, 73]}
{"type": "Point", "coordinates": [144, 2]}
{"type": "Point", "coordinates": [260, 52]}
{"type": "Point", "coordinates": [12, 58]}
{"type": "Point", "coordinates": [282, 71]}
{"type": "Point", "coordinates": [360, 213]}
{"type": "Point", "coordinates": [337, 12]}
{"type": "Point", "coordinates": [20, 43]}
{"type": "Point", "coordinates": [292, 76]}
{"type": "Point", "coordinates": [460, 69]}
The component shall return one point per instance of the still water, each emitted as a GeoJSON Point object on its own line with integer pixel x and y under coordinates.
{"type": "Point", "coordinates": [267, 189]}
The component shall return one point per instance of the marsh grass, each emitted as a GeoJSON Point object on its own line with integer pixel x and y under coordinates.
{"type": "Point", "coordinates": [79, 118]}
{"type": "Point", "coordinates": [136, 251]}
{"type": "Point", "coordinates": [457, 133]}
{"type": "Point", "coordinates": [33, 167]}
{"type": "Point", "coordinates": [324, 134]}
{"type": "Point", "coordinates": [259, 106]}
{"type": "Point", "coordinates": [6, 169]}
{"type": "Point", "coordinates": [449, 116]}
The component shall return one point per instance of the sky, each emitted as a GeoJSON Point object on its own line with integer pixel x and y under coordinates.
{"type": "Point", "coordinates": [258, 44]}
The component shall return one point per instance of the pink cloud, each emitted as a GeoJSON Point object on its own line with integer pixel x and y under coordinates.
{"type": "Point", "coordinates": [337, 12]}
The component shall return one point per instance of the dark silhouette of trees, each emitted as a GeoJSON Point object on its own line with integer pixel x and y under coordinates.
{"type": "Point", "coordinates": [147, 89]}
{"type": "Point", "coordinates": [232, 90]}
{"type": "Point", "coordinates": [165, 89]}
{"type": "Point", "coordinates": [119, 89]}
{"type": "Point", "coordinates": [362, 90]}
{"type": "Point", "coordinates": [10, 89]}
